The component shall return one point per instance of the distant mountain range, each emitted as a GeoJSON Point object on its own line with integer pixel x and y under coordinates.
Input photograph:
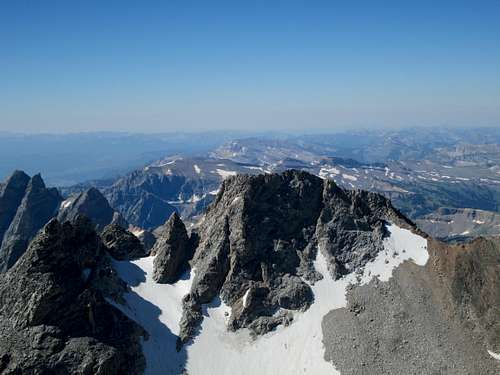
{"type": "Point", "coordinates": [423, 173]}
{"type": "Point", "coordinates": [67, 159]}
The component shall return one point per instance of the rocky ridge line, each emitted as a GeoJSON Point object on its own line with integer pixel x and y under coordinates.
{"type": "Point", "coordinates": [258, 241]}
{"type": "Point", "coordinates": [54, 317]}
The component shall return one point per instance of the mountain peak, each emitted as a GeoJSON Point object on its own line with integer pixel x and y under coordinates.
{"type": "Point", "coordinates": [37, 206]}
{"type": "Point", "coordinates": [261, 235]}
{"type": "Point", "coordinates": [90, 203]}
{"type": "Point", "coordinates": [53, 297]}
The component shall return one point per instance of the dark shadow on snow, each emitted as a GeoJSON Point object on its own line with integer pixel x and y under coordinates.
{"type": "Point", "coordinates": [159, 348]}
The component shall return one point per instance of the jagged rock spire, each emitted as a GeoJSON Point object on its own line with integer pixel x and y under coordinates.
{"type": "Point", "coordinates": [173, 251]}
{"type": "Point", "coordinates": [38, 206]}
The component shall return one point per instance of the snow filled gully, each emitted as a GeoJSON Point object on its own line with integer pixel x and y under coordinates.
{"type": "Point", "coordinates": [296, 349]}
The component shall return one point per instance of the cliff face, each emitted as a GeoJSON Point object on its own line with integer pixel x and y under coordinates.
{"type": "Point", "coordinates": [258, 242]}
{"type": "Point", "coordinates": [54, 317]}
{"type": "Point", "coordinates": [11, 195]}
{"type": "Point", "coordinates": [38, 205]}
{"type": "Point", "coordinates": [173, 250]}
{"type": "Point", "coordinates": [143, 198]}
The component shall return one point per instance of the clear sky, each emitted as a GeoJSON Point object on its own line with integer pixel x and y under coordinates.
{"type": "Point", "coordinates": [185, 65]}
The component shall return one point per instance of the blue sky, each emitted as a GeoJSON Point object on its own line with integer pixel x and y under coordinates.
{"type": "Point", "coordinates": [278, 65]}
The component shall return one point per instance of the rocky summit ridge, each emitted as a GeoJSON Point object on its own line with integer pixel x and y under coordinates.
{"type": "Point", "coordinates": [259, 238]}
{"type": "Point", "coordinates": [54, 314]}
{"type": "Point", "coordinates": [36, 207]}
{"type": "Point", "coordinates": [26, 205]}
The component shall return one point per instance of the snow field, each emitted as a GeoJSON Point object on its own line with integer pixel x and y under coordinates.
{"type": "Point", "coordinates": [296, 349]}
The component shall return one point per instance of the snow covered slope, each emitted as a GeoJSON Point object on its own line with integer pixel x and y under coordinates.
{"type": "Point", "coordinates": [296, 349]}
{"type": "Point", "coordinates": [158, 309]}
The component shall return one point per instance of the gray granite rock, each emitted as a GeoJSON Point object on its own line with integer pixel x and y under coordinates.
{"type": "Point", "coordinates": [173, 250]}
{"type": "Point", "coordinates": [93, 205]}
{"type": "Point", "coordinates": [11, 195]}
{"type": "Point", "coordinates": [260, 236]}
{"type": "Point", "coordinates": [37, 207]}
{"type": "Point", "coordinates": [54, 318]}
{"type": "Point", "coordinates": [121, 244]}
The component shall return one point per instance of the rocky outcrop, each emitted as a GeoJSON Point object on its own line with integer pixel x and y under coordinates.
{"type": "Point", "coordinates": [173, 251]}
{"type": "Point", "coordinates": [54, 318]}
{"type": "Point", "coordinates": [445, 312]}
{"type": "Point", "coordinates": [11, 195]}
{"type": "Point", "coordinates": [258, 242]}
{"type": "Point", "coordinates": [351, 227]}
{"type": "Point", "coordinates": [121, 244]}
{"type": "Point", "coordinates": [38, 206]}
{"type": "Point", "coordinates": [90, 203]}
{"type": "Point", "coordinates": [118, 219]}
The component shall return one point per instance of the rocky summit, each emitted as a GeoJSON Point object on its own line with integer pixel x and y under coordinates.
{"type": "Point", "coordinates": [11, 195]}
{"type": "Point", "coordinates": [37, 206]}
{"type": "Point", "coordinates": [173, 250]}
{"type": "Point", "coordinates": [54, 315]}
{"type": "Point", "coordinates": [26, 205]}
{"type": "Point", "coordinates": [259, 238]}
{"type": "Point", "coordinates": [122, 244]}
{"type": "Point", "coordinates": [90, 203]}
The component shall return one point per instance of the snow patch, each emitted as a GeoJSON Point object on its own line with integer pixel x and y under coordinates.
{"type": "Point", "coordinates": [401, 245]}
{"type": "Point", "coordinates": [256, 168]}
{"type": "Point", "coordinates": [328, 172]}
{"type": "Point", "coordinates": [349, 177]}
{"type": "Point", "coordinates": [197, 169]}
{"type": "Point", "coordinates": [196, 198]}
{"type": "Point", "coordinates": [66, 203]}
{"type": "Point", "coordinates": [137, 231]}
{"type": "Point", "coordinates": [225, 174]}
{"type": "Point", "coordinates": [494, 355]}
{"type": "Point", "coordinates": [245, 298]}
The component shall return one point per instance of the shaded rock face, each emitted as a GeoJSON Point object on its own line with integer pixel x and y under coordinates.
{"type": "Point", "coordinates": [118, 219]}
{"type": "Point", "coordinates": [147, 239]}
{"type": "Point", "coordinates": [351, 227]}
{"type": "Point", "coordinates": [440, 318]}
{"type": "Point", "coordinates": [38, 205]}
{"type": "Point", "coordinates": [143, 198]}
{"type": "Point", "coordinates": [173, 251]}
{"type": "Point", "coordinates": [11, 195]}
{"type": "Point", "coordinates": [93, 205]}
{"type": "Point", "coordinates": [121, 244]}
{"type": "Point", "coordinates": [54, 317]}
{"type": "Point", "coordinates": [259, 238]}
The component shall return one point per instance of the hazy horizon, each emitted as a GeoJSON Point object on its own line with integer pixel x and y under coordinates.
{"type": "Point", "coordinates": [376, 129]}
{"type": "Point", "coordinates": [294, 66]}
